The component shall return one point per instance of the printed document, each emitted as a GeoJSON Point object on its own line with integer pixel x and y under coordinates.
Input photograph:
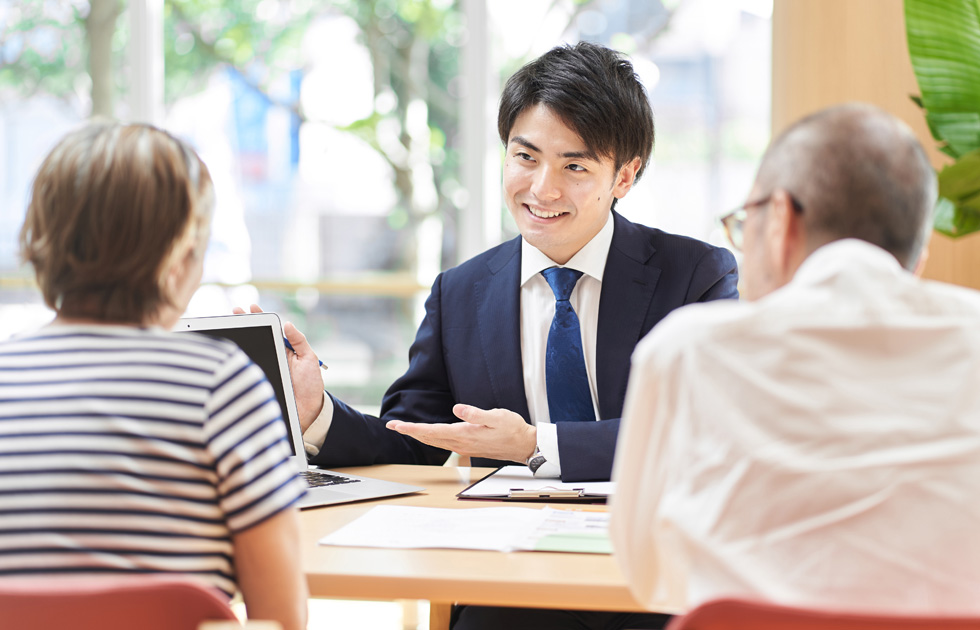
{"type": "Point", "coordinates": [490, 529]}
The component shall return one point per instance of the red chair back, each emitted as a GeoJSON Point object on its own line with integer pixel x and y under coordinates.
{"type": "Point", "coordinates": [111, 603]}
{"type": "Point", "coordinates": [736, 614]}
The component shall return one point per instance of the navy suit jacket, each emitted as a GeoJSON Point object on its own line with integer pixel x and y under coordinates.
{"type": "Point", "coordinates": [468, 348]}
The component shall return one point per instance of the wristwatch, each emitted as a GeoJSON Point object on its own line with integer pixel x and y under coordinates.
{"type": "Point", "coordinates": [536, 460]}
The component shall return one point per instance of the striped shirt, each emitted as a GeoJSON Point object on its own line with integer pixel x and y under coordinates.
{"type": "Point", "coordinates": [127, 450]}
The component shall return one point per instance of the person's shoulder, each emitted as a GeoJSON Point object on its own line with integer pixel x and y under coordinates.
{"type": "Point", "coordinates": [147, 340]}
{"type": "Point", "coordinates": [951, 298]}
{"type": "Point", "coordinates": [695, 328]}
{"type": "Point", "coordinates": [490, 261]}
{"type": "Point", "coordinates": [206, 352]}
{"type": "Point", "coordinates": [200, 343]}
{"type": "Point", "coordinates": [684, 250]}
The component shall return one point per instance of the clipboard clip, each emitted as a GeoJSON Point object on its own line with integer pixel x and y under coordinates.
{"type": "Point", "coordinates": [545, 493]}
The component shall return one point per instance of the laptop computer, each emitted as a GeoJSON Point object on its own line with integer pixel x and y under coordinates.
{"type": "Point", "coordinates": [260, 336]}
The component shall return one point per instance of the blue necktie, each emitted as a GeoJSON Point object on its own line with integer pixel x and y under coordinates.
{"type": "Point", "coordinates": [569, 397]}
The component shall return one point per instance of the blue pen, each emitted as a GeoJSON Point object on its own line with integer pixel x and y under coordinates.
{"type": "Point", "coordinates": [290, 346]}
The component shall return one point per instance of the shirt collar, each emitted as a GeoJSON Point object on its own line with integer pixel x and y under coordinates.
{"type": "Point", "coordinates": [830, 259]}
{"type": "Point", "coordinates": [590, 260]}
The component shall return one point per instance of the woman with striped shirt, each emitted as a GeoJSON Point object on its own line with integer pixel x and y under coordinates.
{"type": "Point", "coordinates": [125, 448]}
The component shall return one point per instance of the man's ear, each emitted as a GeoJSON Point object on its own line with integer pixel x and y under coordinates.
{"type": "Point", "coordinates": [920, 264]}
{"type": "Point", "coordinates": [626, 177]}
{"type": "Point", "coordinates": [786, 236]}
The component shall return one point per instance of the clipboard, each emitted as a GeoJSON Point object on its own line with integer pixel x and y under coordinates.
{"type": "Point", "coordinates": [517, 483]}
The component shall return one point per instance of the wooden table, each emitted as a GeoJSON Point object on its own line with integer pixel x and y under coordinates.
{"type": "Point", "coordinates": [444, 576]}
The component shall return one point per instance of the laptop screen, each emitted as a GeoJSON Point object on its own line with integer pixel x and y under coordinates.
{"type": "Point", "coordinates": [260, 336]}
{"type": "Point", "coordinates": [258, 342]}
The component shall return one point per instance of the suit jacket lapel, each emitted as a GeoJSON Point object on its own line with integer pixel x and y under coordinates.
{"type": "Point", "coordinates": [628, 284]}
{"type": "Point", "coordinates": [499, 317]}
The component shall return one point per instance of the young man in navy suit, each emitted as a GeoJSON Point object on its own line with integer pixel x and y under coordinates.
{"type": "Point", "coordinates": [484, 379]}
{"type": "Point", "coordinates": [578, 131]}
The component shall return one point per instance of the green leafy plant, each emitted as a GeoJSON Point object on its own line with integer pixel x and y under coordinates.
{"type": "Point", "coordinates": [944, 45]}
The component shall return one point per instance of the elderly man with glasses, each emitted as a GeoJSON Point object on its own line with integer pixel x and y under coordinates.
{"type": "Point", "coordinates": [817, 444]}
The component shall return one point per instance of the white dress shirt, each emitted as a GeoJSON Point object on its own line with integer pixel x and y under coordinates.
{"type": "Point", "coordinates": [537, 311]}
{"type": "Point", "coordinates": [819, 447]}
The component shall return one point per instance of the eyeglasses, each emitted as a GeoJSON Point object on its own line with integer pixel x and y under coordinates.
{"type": "Point", "coordinates": [734, 221]}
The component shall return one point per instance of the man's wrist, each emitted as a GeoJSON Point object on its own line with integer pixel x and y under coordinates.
{"type": "Point", "coordinates": [531, 439]}
{"type": "Point", "coordinates": [534, 453]}
{"type": "Point", "coordinates": [546, 458]}
{"type": "Point", "coordinates": [535, 461]}
{"type": "Point", "coordinates": [319, 412]}
{"type": "Point", "coordinates": [315, 434]}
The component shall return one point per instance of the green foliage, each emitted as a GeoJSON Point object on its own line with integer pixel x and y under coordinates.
{"type": "Point", "coordinates": [260, 38]}
{"type": "Point", "coordinates": [413, 46]}
{"type": "Point", "coordinates": [959, 187]}
{"type": "Point", "coordinates": [42, 46]}
{"type": "Point", "coordinates": [944, 45]}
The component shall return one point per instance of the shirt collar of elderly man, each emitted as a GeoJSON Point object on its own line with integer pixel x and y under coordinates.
{"type": "Point", "coordinates": [806, 195]}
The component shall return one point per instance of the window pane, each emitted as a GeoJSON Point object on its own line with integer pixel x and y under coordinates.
{"type": "Point", "coordinates": [331, 129]}
{"type": "Point", "coordinates": [706, 66]}
{"type": "Point", "coordinates": [330, 132]}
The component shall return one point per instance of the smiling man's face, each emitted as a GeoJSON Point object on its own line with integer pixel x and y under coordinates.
{"type": "Point", "coordinates": [559, 194]}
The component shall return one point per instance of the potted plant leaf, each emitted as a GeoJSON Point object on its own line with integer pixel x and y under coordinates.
{"type": "Point", "coordinates": [944, 45]}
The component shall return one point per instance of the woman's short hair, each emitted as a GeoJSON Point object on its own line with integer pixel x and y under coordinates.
{"type": "Point", "coordinates": [112, 207]}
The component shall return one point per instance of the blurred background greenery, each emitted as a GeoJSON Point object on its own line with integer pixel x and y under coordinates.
{"type": "Point", "coordinates": [353, 143]}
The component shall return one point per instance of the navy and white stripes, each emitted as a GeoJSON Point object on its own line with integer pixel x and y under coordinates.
{"type": "Point", "coordinates": [126, 450]}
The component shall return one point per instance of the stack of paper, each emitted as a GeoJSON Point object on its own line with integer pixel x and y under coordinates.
{"type": "Point", "coordinates": [491, 529]}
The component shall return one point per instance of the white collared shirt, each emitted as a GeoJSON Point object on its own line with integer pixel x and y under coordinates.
{"type": "Point", "coordinates": [819, 447]}
{"type": "Point", "coordinates": [537, 311]}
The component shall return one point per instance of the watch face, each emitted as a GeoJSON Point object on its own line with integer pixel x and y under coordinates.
{"type": "Point", "coordinates": [536, 462]}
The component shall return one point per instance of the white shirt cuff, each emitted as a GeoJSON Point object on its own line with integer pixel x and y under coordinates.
{"type": "Point", "coordinates": [314, 436]}
{"type": "Point", "coordinates": [548, 445]}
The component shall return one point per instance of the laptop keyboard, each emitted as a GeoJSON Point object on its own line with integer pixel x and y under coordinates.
{"type": "Point", "coordinates": [317, 479]}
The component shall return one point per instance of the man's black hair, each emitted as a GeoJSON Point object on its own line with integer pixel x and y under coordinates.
{"type": "Point", "coordinates": [594, 91]}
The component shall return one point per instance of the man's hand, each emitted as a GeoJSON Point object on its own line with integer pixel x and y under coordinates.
{"type": "Point", "coordinates": [304, 369]}
{"type": "Point", "coordinates": [496, 434]}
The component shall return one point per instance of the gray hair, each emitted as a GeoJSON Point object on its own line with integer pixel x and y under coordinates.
{"type": "Point", "coordinates": [858, 172]}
